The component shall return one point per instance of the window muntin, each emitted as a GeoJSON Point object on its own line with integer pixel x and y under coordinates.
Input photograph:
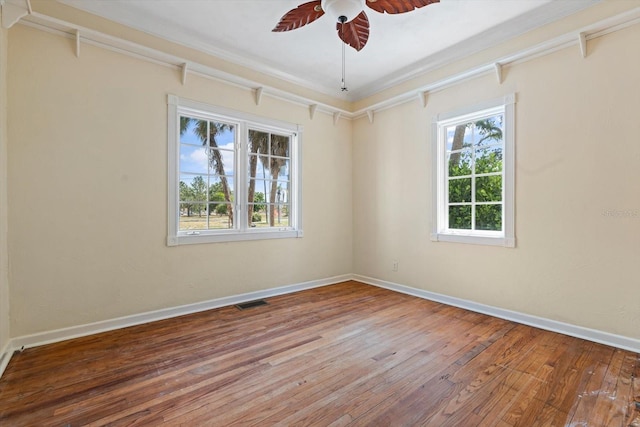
{"type": "Point", "coordinates": [269, 178]}
{"type": "Point", "coordinates": [207, 165]}
{"type": "Point", "coordinates": [473, 175]}
{"type": "Point", "coordinates": [232, 176]}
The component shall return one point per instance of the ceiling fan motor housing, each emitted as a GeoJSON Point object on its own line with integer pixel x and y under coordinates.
{"type": "Point", "coordinates": [339, 8]}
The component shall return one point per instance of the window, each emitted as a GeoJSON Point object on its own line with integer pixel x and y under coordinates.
{"type": "Point", "coordinates": [473, 168]}
{"type": "Point", "coordinates": [232, 176]}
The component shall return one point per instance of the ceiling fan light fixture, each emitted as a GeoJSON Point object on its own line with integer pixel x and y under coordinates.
{"type": "Point", "coordinates": [339, 8]}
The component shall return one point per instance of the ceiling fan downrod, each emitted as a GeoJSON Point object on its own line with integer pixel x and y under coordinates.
{"type": "Point", "coordinates": [343, 87]}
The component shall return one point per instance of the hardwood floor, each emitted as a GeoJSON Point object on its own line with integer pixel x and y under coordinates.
{"type": "Point", "coordinates": [347, 354]}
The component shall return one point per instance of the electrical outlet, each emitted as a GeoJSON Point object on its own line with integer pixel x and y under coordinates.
{"type": "Point", "coordinates": [394, 266]}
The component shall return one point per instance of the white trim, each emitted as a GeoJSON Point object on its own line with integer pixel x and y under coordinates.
{"type": "Point", "coordinates": [5, 357]}
{"type": "Point", "coordinates": [13, 11]}
{"type": "Point", "coordinates": [581, 332]}
{"type": "Point", "coordinates": [58, 335]}
{"type": "Point", "coordinates": [96, 38]}
{"type": "Point", "coordinates": [63, 334]}
{"type": "Point", "coordinates": [439, 231]}
{"type": "Point", "coordinates": [582, 40]}
{"type": "Point", "coordinates": [595, 30]}
{"type": "Point", "coordinates": [242, 231]}
{"type": "Point", "coordinates": [499, 75]}
{"type": "Point", "coordinates": [554, 11]}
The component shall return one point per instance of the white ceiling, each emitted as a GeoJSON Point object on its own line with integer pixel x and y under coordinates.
{"type": "Point", "coordinates": [399, 47]}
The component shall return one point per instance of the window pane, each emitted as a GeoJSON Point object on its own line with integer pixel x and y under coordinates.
{"type": "Point", "coordinates": [258, 142]}
{"type": "Point", "coordinates": [262, 187]}
{"type": "Point", "coordinates": [489, 188]}
{"type": "Point", "coordinates": [194, 159]}
{"type": "Point", "coordinates": [262, 169]}
{"type": "Point", "coordinates": [456, 136]}
{"type": "Point", "coordinates": [259, 198]}
{"type": "Point", "coordinates": [193, 188]}
{"type": "Point", "coordinates": [488, 131]}
{"type": "Point", "coordinates": [271, 215]}
{"type": "Point", "coordinates": [460, 163]}
{"type": "Point", "coordinates": [193, 131]}
{"type": "Point", "coordinates": [460, 190]}
{"type": "Point", "coordinates": [460, 217]}
{"type": "Point", "coordinates": [282, 192]}
{"type": "Point", "coordinates": [282, 169]}
{"type": "Point", "coordinates": [221, 217]}
{"type": "Point", "coordinates": [259, 215]}
{"type": "Point", "coordinates": [278, 215]}
{"type": "Point", "coordinates": [193, 216]}
{"type": "Point", "coordinates": [279, 146]}
{"type": "Point", "coordinates": [221, 161]}
{"type": "Point", "coordinates": [489, 160]}
{"type": "Point", "coordinates": [221, 188]}
{"type": "Point", "coordinates": [221, 135]}
{"type": "Point", "coordinates": [255, 167]}
{"type": "Point", "coordinates": [489, 217]}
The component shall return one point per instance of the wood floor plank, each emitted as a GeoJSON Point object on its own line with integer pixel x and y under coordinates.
{"type": "Point", "coordinates": [342, 355]}
{"type": "Point", "coordinates": [606, 411]}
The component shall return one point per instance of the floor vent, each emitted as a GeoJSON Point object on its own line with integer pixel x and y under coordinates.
{"type": "Point", "coordinates": [251, 304]}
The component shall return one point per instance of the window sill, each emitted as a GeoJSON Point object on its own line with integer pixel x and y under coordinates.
{"type": "Point", "coordinates": [507, 242]}
{"type": "Point", "coordinates": [191, 239]}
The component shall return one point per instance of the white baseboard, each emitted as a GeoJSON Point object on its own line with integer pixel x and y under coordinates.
{"type": "Point", "coordinates": [594, 335]}
{"type": "Point", "coordinates": [5, 357]}
{"type": "Point", "coordinates": [63, 334]}
{"type": "Point", "coordinates": [58, 335]}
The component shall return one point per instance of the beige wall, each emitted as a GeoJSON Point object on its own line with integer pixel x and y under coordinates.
{"type": "Point", "coordinates": [87, 185]}
{"type": "Point", "coordinates": [578, 157]}
{"type": "Point", "coordinates": [88, 191]}
{"type": "Point", "coordinates": [4, 266]}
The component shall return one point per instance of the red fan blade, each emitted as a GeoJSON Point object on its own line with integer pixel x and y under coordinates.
{"type": "Point", "coordinates": [302, 15]}
{"type": "Point", "coordinates": [355, 33]}
{"type": "Point", "coordinates": [398, 6]}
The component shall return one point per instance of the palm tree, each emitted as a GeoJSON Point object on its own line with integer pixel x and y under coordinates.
{"type": "Point", "coordinates": [265, 146]}
{"type": "Point", "coordinates": [458, 140]}
{"type": "Point", "coordinates": [258, 144]}
{"type": "Point", "coordinates": [280, 148]}
{"type": "Point", "coordinates": [487, 128]}
{"type": "Point", "coordinates": [207, 132]}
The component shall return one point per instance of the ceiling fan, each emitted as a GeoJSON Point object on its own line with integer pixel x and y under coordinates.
{"type": "Point", "coordinates": [352, 22]}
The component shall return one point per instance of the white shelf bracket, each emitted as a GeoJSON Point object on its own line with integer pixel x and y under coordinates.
{"type": "Point", "coordinates": [185, 69]}
{"type": "Point", "coordinates": [336, 117]}
{"type": "Point", "coordinates": [258, 95]}
{"type": "Point", "coordinates": [582, 40]}
{"type": "Point", "coordinates": [77, 43]}
{"type": "Point", "coordinates": [13, 11]}
{"type": "Point", "coordinates": [424, 98]}
{"type": "Point", "coordinates": [312, 110]}
{"type": "Point", "coordinates": [370, 115]}
{"type": "Point", "coordinates": [498, 68]}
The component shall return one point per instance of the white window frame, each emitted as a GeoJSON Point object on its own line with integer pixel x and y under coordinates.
{"type": "Point", "coordinates": [440, 231]}
{"type": "Point", "coordinates": [243, 121]}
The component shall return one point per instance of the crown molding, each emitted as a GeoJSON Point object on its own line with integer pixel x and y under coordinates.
{"type": "Point", "coordinates": [184, 66]}
{"type": "Point", "coordinates": [551, 12]}
{"type": "Point", "coordinates": [13, 11]}
{"type": "Point", "coordinates": [262, 66]}
{"type": "Point", "coordinates": [578, 37]}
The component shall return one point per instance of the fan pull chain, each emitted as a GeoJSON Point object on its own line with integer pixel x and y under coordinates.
{"type": "Point", "coordinates": [342, 20]}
